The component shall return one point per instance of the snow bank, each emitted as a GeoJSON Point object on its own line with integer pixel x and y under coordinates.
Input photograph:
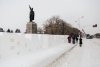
{"type": "Point", "coordinates": [39, 59]}
{"type": "Point", "coordinates": [30, 50]}
{"type": "Point", "coordinates": [21, 44]}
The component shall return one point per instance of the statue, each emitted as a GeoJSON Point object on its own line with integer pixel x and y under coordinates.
{"type": "Point", "coordinates": [31, 14]}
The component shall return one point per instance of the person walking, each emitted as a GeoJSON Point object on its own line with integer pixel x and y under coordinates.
{"type": "Point", "coordinates": [73, 39]}
{"type": "Point", "coordinates": [69, 39]}
{"type": "Point", "coordinates": [76, 39]}
{"type": "Point", "coordinates": [80, 42]}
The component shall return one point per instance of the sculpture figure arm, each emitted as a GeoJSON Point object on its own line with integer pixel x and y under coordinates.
{"type": "Point", "coordinates": [30, 7]}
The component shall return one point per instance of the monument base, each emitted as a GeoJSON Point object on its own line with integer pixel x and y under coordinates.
{"type": "Point", "coordinates": [31, 27]}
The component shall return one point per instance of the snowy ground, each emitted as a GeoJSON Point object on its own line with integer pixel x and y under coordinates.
{"type": "Point", "coordinates": [86, 56]}
{"type": "Point", "coordinates": [26, 50]}
{"type": "Point", "coordinates": [18, 44]}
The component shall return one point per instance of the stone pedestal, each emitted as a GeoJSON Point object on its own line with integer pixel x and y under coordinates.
{"type": "Point", "coordinates": [31, 27]}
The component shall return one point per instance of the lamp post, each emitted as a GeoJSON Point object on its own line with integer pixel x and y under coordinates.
{"type": "Point", "coordinates": [80, 28]}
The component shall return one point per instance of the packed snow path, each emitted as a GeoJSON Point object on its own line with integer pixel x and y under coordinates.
{"type": "Point", "coordinates": [86, 56]}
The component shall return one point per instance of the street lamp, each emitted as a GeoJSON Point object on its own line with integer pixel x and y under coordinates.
{"type": "Point", "coordinates": [80, 28]}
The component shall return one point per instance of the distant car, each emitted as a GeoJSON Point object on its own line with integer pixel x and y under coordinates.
{"type": "Point", "coordinates": [89, 37]}
{"type": "Point", "coordinates": [97, 35]}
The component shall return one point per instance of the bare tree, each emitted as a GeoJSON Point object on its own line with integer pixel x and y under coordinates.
{"type": "Point", "coordinates": [55, 25]}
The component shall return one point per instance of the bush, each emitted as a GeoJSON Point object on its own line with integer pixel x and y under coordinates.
{"type": "Point", "coordinates": [1, 30]}
{"type": "Point", "coordinates": [17, 31]}
{"type": "Point", "coordinates": [8, 30]}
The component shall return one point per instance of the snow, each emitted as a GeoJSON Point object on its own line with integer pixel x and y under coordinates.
{"type": "Point", "coordinates": [42, 50]}
{"type": "Point", "coordinates": [15, 44]}
{"type": "Point", "coordinates": [30, 50]}
{"type": "Point", "coordinates": [86, 56]}
{"type": "Point", "coordinates": [39, 59]}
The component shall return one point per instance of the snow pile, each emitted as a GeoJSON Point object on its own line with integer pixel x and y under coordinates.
{"type": "Point", "coordinates": [26, 50]}
{"type": "Point", "coordinates": [39, 59]}
{"type": "Point", "coordinates": [15, 44]}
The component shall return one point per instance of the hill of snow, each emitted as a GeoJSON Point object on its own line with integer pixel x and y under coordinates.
{"type": "Point", "coordinates": [27, 50]}
{"type": "Point", "coordinates": [42, 50]}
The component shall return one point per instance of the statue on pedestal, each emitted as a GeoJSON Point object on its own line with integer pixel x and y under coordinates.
{"type": "Point", "coordinates": [31, 26]}
{"type": "Point", "coordinates": [31, 14]}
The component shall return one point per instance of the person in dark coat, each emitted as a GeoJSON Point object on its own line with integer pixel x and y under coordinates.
{"type": "Point", "coordinates": [80, 42]}
{"type": "Point", "coordinates": [73, 39]}
{"type": "Point", "coordinates": [69, 39]}
{"type": "Point", "coordinates": [76, 39]}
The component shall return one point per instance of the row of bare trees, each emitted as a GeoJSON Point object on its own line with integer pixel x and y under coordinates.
{"type": "Point", "coordinates": [58, 26]}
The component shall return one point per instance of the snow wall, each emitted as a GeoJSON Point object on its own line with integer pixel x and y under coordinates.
{"type": "Point", "coordinates": [31, 50]}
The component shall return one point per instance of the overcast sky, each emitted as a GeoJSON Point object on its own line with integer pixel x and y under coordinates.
{"type": "Point", "coordinates": [15, 13]}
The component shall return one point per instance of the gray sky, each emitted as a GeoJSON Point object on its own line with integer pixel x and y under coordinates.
{"type": "Point", "coordinates": [15, 13]}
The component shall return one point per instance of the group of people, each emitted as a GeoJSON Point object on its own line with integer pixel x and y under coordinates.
{"type": "Point", "coordinates": [75, 38]}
